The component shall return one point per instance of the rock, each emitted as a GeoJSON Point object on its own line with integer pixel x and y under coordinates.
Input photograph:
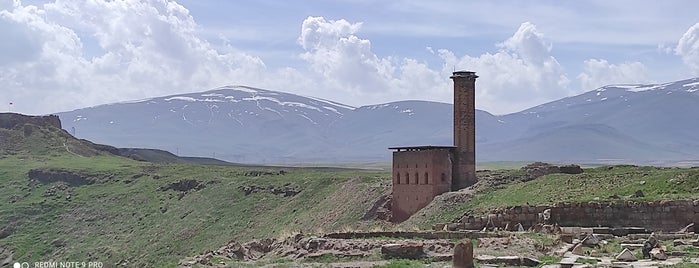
{"type": "Point", "coordinates": [658, 254]}
{"type": "Point", "coordinates": [438, 226]}
{"type": "Point", "coordinates": [591, 241]}
{"type": "Point", "coordinates": [508, 260]}
{"type": "Point", "coordinates": [451, 227]}
{"type": "Point", "coordinates": [626, 255]}
{"type": "Point", "coordinates": [567, 238]}
{"type": "Point", "coordinates": [649, 245]}
{"type": "Point", "coordinates": [409, 250]}
{"type": "Point", "coordinates": [678, 242]}
{"type": "Point", "coordinates": [639, 193]}
{"type": "Point", "coordinates": [463, 254]}
{"type": "Point", "coordinates": [578, 250]}
{"type": "Point", "coordinates": [519, 227]}
{"type": "Point", "coordinates": [546, 215]}
{"type": "Point", "coordinates": [631, 246]}
{"type": "Point", "coordinates": [687, 228]}
{"type": "Point", "coordinates": [571, 169]}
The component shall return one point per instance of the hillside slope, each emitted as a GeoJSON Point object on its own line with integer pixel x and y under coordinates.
{"type": "Point", "coordinates": [633, 123]}
{"type": "Point", "coordinates": [73, 202]}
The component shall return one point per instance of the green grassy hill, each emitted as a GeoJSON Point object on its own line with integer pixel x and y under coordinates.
{"type": "Point", "coordinates": [136, 213]}
{"type": "Point", "coordinates": [506, 188]}
{"type": "Point", "coordinates": [68, 199]}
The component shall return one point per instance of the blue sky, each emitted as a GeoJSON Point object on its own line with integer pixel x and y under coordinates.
{"type": "Point", "coordinates": [64, 55]}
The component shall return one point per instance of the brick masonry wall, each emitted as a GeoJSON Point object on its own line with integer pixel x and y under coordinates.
{"type": "Point", "coordinates": [666, 216]}
{"type": "Point", "coordinates": [418, 176]}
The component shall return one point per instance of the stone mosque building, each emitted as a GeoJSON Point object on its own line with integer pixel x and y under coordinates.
{"type": "Point", "coordinates": [422, 172]}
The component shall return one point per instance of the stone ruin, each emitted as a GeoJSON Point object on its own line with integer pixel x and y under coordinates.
{"type": "Point", "coordinates": [666, 216]}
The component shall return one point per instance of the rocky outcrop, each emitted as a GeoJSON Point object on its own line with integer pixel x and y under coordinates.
{"type": "Point", "coordinates": [508, 261]}
{"type": "Point", "coordinates": [12, 120]}
{"type": "Point", "coordinates": [287, 190]}
{"type": "Point", "coordinates": [50, 175]}
{"type": "Point", "coordinates": [302, 247]}
{"type": "Point", "coordinates": [667, 215]}
{"type": "Point", "coordinates": [408, 250]}
{"type": "Point", "coordinates": [538, 169]}
{"type": "Point", "coordinates": [381, 210]}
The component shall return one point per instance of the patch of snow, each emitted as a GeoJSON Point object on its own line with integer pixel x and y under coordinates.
{"type": "Point", "coordinates": [503, 122]}
{"type": "Point", "coordinates": [640, 88]}
{"type": "Point", "coordinates": [245, 89]}
{"type": "Point", "coordinates": [599, 93]}
{"type": "Point", "coordinates": [274, 111]}
{"type": "Point", "coordinates": [332, 110]}
{"type": "Point", "coordinates": [173, 110]}
{"type": "Point", "coordinates": [231, 99]}
{"type": "Point", "coordinates": [182, 98]}
{"type": "Point", "coordinates": [407, 111]}
{"type": "Point", "coordinates": [588, 100]}
{"type": "Point", "coordinates": [211, 100]}
{"type": "Point", "coordinates": [236, 119]}
{"type": "Point", "coordinates": [304, 116]}
{"type": "Point", "coordinates": [693, 87]}
{"type": "Point", "coordinates": [626, 86]}
{"type": "Point", "coordinates": [669, 92]}
{"type": "Point", "coordinates": [212, 95]}
{"type": "Point", "coordinates": [111, 122]}
{"type": "Point", "coordinates": [331, 102]}
{"type": "Point", "coordinates": [691, 84]}
{"type": "Point", "coordinates": [292, 104]}
{"type": "Point", "coordinates": [603, 99]}
{"type": "Point", "coordinates": [134, 101]}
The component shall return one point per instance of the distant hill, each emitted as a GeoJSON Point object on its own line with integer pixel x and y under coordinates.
{"type": "Point", "coordinates": [43, 136]}
{"type": "Point", "coordinates": [617, 123]}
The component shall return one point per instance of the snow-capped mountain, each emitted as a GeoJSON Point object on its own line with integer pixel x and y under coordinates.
{"type": "Point", "coordinates": [635, 122]}
{"type": "Point", "coordinates": [244, 124]}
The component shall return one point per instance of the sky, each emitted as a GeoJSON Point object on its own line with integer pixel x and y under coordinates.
{"type": "Point", "coordinates": [63, 55]}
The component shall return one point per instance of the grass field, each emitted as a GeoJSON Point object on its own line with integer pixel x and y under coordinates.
{"type": "Point", "coordinates": [127, 219]}
{"type": "Point", "coordinates": [130, 217]}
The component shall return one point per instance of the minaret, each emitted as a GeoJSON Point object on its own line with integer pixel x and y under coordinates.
{"type": "Point", "coordinates": [464, 166]}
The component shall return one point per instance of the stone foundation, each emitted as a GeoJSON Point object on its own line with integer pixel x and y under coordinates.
{"type": "Point", "coordinates": [665, 216]}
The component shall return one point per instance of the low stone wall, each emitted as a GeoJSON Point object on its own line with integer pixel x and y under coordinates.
{"type": "Point", "coordinates": [416, 234]}
{"type": "Point", "coordinates": [670, 215]}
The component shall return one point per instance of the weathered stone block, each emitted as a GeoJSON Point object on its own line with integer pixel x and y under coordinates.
{"type": "Point", "coordinates": [409, 250]}
{"type": "Point", "coordinates": [463, 254]}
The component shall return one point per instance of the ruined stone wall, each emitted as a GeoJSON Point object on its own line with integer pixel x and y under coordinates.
{"type": "Point", "coordinates": [11, 120]}
{"type": "Point", "coordinates": [655, 216]}
{"type": "Point", "coordinates": [418, 176]}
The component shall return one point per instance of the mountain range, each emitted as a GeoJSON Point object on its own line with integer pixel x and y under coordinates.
{"type": "Point", "coordinates": [630, 123]}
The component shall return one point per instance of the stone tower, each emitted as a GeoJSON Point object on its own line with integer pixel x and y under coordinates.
{"type": "Point", "coordinates": [464, 167]}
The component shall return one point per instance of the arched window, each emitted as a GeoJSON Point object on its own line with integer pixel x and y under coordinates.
{"type": "Point", "coordinates": [407, 178]}
{"type": "Point", "coordinates": [417, 178]}
{"type": "Point", "coordinates": [397, 177]}
{"type": "Point", "coordinates": [427, 178]}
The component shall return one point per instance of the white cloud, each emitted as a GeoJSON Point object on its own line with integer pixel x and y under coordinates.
{"type": "Point", "coordinates": [342, 62]}
{"type": "Point", "coordinates": [688, 48]}
{"type": "Point", "coordinates": [72, 54]}
{"type": "Point", "coordinates": [146, 48]}
{"type": "Point", "coordinates": [522, 74]}
{"type": "Point", "coordinates": [599, 72]}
